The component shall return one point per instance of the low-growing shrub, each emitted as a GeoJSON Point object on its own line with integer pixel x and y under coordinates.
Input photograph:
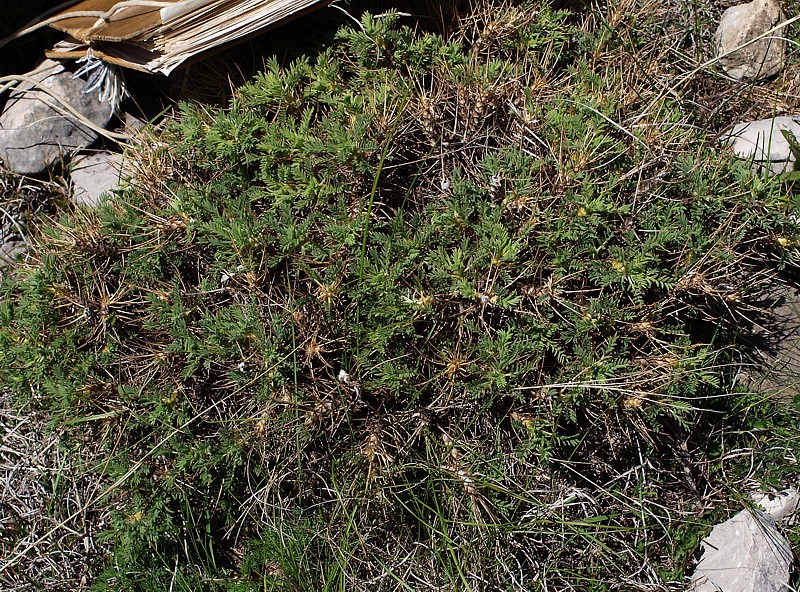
{"type": "Point", "coordinates": [416, 313]}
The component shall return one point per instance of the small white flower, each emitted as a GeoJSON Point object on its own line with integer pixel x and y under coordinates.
{"type": "Point", "coordinates": [496, 180]}
{"type": "Point", "coordinates": [344, 378]}
{"type": "Point", "coordinates": [445, 184]}
{"type": "Point", "coordinates": [241, 366]}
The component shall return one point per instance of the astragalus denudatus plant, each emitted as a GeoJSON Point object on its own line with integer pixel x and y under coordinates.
{"type": "Point", "coordinates": [423, 311]}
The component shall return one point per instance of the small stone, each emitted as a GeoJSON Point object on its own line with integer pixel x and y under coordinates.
{"type": "Point", "coordinates": [743, 23]}
{"type": "Point", "coordinates": [764, 144]}
{"type": "Point", "coordinates": [34, 136]}
{"type": "Point", "coordinates": [773, 365]}
{"type": "Point", "coordinates": [781, 506]}
{"type": "Point", "coordinates": [13, 243]}
{"type": "Point", "coordinates": [132, 123]}
{"type": "Point", "coordinates": [10, 250]}
{"type": "Point", "coordinates": [95, 175]}
{"type": "Point", "coordinates": [744, 554]}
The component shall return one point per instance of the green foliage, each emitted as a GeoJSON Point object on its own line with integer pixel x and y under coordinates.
{"type": "Point", "coordinates": [412, 299]}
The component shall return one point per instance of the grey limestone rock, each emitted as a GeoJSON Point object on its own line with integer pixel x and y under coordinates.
{"type": "Point", "coordinates": [10, 249]}
{"type": "Point", "coordinates": [764, 143]}
{"type": "Point", "coordinates": [33, 135]}
{"type": "Point", "coordinates": [781, 506]}
{"type": "Point", "coordinates": [132, 123]}
{"type": "Point", "coordinates": [744, 554]}
{"type": "Point", "coordinates": [747, 553]}
{"type": "Point", "coordinates": [745, 22]}
{"type": "Point", "coordinates": [12, 240]}
{"type": "Point", "coordinates": [95, 175]}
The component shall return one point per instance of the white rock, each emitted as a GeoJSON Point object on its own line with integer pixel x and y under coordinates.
{"type": "Point", "coordinates": [95, 175]}
{"type": "Point", "coordinates": [34, 136]}
{"type": "Point", "coordinates": [744, 554]}
{"type": "Point", "coordinates": [742, 23]}
{"type": "Point", "coordinates": [780, 506]}
{"type": "Point", "coordinates": [763, 143]}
